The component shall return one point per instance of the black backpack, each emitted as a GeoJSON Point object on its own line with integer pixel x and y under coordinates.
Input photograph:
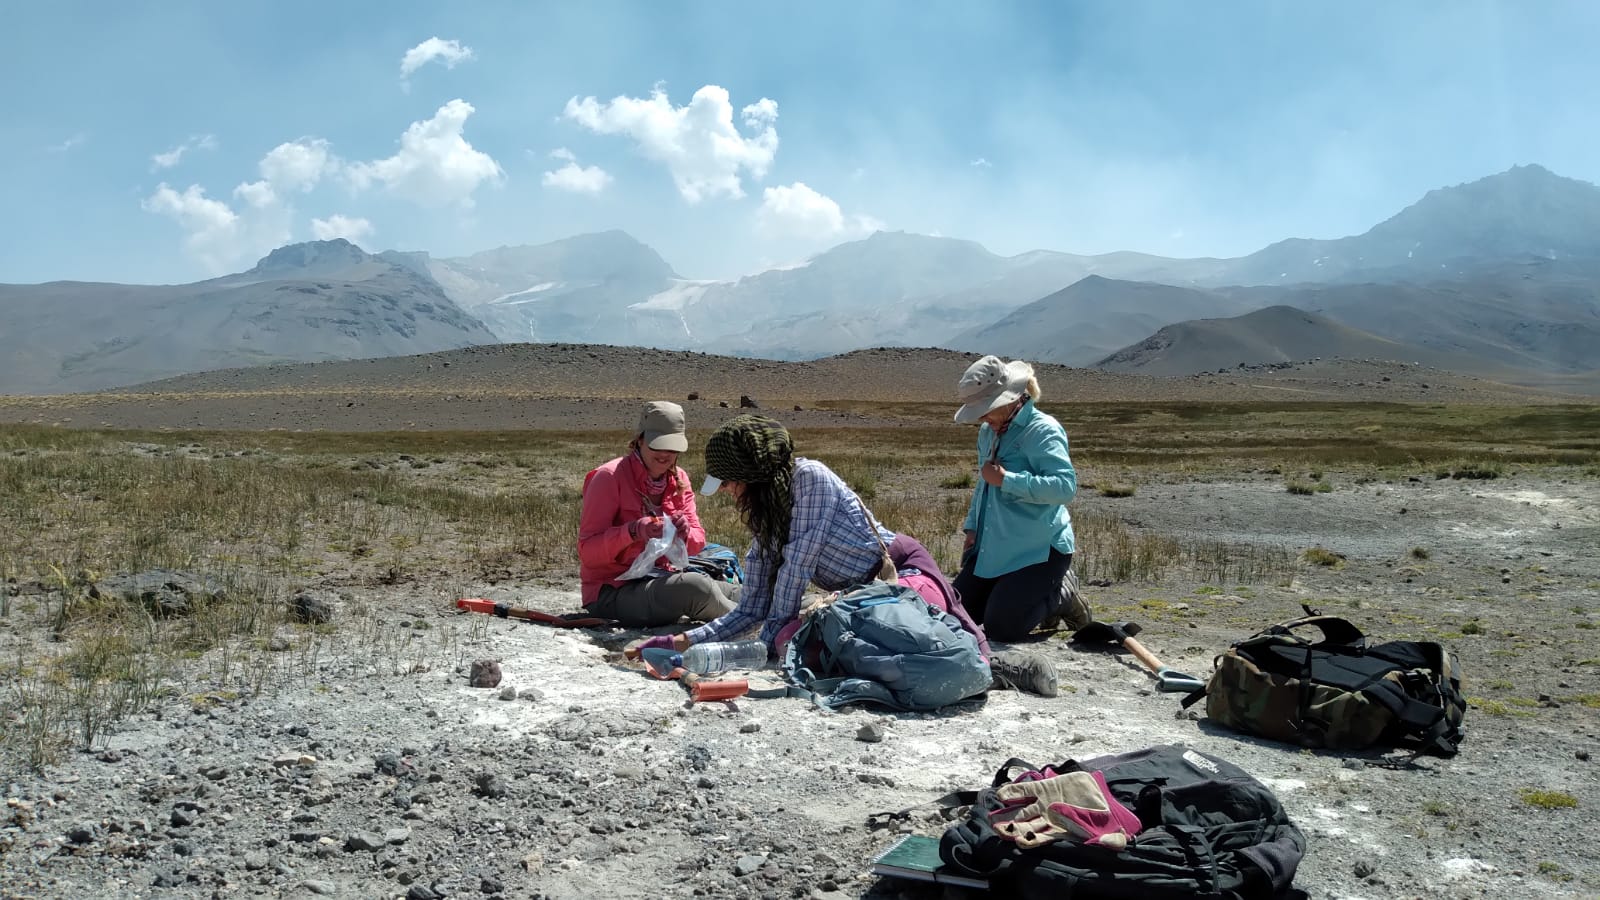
{"type": "Point", "coordinates": [1334, 691]}
{"type": "Point", "coordinates": [1209, 830]}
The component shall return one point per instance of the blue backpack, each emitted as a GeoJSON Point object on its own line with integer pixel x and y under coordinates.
{"type": "Point", "coordinates": [884, 644]}
{"type": "Point", "coordinates": [718, 562]}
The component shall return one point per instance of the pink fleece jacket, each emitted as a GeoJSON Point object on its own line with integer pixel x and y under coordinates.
{"type": "Point", "coordinates": [613, 496]}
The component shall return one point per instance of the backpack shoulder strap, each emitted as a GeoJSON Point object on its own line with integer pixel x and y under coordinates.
{"type": "Point", "coordinates": [1335, 631]}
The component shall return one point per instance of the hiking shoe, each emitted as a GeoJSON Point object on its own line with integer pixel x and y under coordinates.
{"type": "Point", "coordinates": [1019, 671]}
{"type": "Point", "coordinates": [1071, 611]}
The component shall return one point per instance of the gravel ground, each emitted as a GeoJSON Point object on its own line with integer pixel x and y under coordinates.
{"type": "Point", "coordinates": [374, 770]}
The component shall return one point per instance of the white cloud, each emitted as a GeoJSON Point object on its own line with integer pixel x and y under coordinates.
{"type": "Point", "coordinates": [214, 234]}
{"type": "Point", "coordinates": [298, 165]}
{"type": "Point", "coordinates": [353, 230]}
{"type": "Point", "coordinates": [435, 166]}
{"type": "Point", "coordinates": [172, 157]}
{"type": "Point", "coordinates": [76, 140]}
{"type": "Point", "coordinates": [981, 163]}
{"type": "Point", "coordinates": [797, 210]}
{"type": "Point", "coordinates": [258, 194]}
{"type": "Point", "coordinates": [576, 178]}
{"type": "Point", "coordinates": [698, 143]}
{"type": "Point", "coordinates": [212, 228]}
{"type": "Point", "coordinates": [449, 52]}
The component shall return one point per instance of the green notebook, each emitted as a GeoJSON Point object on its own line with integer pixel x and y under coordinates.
{"type": "Point", "coordinates": [917, 856]}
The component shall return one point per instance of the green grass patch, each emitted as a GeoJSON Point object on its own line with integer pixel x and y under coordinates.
{"type": "Point", "coordinates": [959, 481]}
{"type": "Point", "coordinates": [1419, 553]}
{"type": "Point", "coordinates": [1322, 556]}
{"type": "Point", "coordinates": [1548, 799]}
{"type": "Point", "coordinates": [1499, 708]}
{"type": "Point", "coordinates": [1307, 488]}
{"type": "Point", "coordinates": [1117, 489]}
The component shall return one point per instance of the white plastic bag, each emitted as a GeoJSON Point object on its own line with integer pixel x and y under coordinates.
{"type": "Point", "coordinates": [670, 545]}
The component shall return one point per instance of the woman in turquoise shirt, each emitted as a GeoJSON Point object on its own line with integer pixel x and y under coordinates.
{"type": "Point", "coordinates": [1019, 534]}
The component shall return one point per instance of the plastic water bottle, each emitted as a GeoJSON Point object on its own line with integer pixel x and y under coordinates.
{"type": "Point", "coordinates": [720, 656]}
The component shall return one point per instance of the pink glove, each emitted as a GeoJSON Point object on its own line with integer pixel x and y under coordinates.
{"type": "Point", "coordinates": [659, 642]}
{"type": "Point", "coordinates": [646, 528]}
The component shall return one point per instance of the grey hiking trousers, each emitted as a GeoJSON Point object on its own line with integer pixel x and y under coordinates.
{"type": "Point", "coordinates": [649, 602]}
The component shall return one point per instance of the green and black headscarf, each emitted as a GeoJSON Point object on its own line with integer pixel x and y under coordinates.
{"type": "Point", "coordinates": [756, 451]}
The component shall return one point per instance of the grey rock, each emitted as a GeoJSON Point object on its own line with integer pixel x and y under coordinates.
{"type": "Point", "coordinates": [750, 728]}
{"type": "Point", "coordinates": [83, 834]}
{"type": "Point", "coordinates": [489, 785]}
{"type": "Point", "coordinates": [164, 593]}
{"type": "Point", "coordinates": [387, 764]}
{"type": "Point", "coordinates": [364, 842]}
{"type": "Point", "coordinates": [255, 861]}
{"type": "Point", "coordinates": [278, 643]}
{"type": "Point", "coordinates": [491, 885]}
{"type": "Point", "coordinates": [509, 692]}
{"type": "Point", "coordinates": [181, 818]}
{"type": "Point", "coordinates": [748, 864]}
{"type": "Point", "coordinates": [309, 609]}
{"type": "Point", "coordinates": [321, 888]}
{"type": "Point", "coordinates": [397, 835]}
{"type": "Point", "coordinates": [485, 674]}
{"type": "Point", "coordinates": [423, 892]}
{"type": "Point", "coordinates": [1363, 869]}
{"type": "Point", "coordinates": [871, 733]}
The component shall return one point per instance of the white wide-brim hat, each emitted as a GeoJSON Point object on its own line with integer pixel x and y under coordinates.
{"type": "Point", "coordinates": [989, 384]}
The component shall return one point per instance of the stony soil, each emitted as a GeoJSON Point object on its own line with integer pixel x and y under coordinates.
{"type": "Point", "coordinates": [586, 387]}
{"type": "Point", "coordinates": [373, 769]}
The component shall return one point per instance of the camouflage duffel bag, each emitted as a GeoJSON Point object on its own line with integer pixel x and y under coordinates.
{"type": "Point", "coordinates": [1337, 692]}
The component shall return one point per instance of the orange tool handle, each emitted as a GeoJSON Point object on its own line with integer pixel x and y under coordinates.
{"type": "Point", "coordinates": [720, 689]}
{"type": "Point", "coordinates": [474, 604]}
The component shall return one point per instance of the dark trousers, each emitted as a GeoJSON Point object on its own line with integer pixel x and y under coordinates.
{"type": "Point", "coordinates": [662, 600]}
{"type": "Point", "coordinates": [1014, 604]}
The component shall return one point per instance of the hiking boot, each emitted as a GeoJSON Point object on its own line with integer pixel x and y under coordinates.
{"type": "Point", "coordinates": [1071, 611]}
{"type": "Point", "coordinates": [1019, 671]}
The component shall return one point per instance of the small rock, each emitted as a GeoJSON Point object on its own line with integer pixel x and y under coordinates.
{"type": "Point", "coordinates": [364, 842]}
{"type": "Point", "coordinates": [871, 733]}
{"type": "Point", "coordinates": [490, 786]}
{"type": "Point", "coordinates": [83, 834]}
{"type": "Point", "coordinates": [397, 835]}
{"type": "Point", "coordinates": [1362, 869]}
{"type": "Point", "coordinates": [1582, 755]}
{"type": "Point", "coordinates": [750, 728]}
{"type": "Point", "coordinates": [748, 402]}
{"type": "Point", "coordinates": [181, 818]}
{"type": "Point", "coordinates": [509, 692]}
{"type": "Point", "coordinates": [255, 861]}
{"type": "Point", "coordinates": [285, 760]}
{"type": "Point", "coordinates": [278, 643]}
{"type": "Point", "coordinates": [748, 864]}
{"type": "Point", "coordinates": [387, 764]}
{"type": "Point", "coordinates": [485, 674]}
{"type": "Point", "coordinates": [423, 892]}
{"type": "Point", "coordinates": [491, 885]}
{"type": "Point", "coordinates": [322, 888]}
{"type": "Point", "coordinates": [310, 610]}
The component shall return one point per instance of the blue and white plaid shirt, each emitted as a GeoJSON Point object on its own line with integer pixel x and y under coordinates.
{"type": "Point", "coordinates": [833, 543]}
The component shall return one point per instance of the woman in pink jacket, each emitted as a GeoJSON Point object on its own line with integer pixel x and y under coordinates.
{"type": "Point", "coordinates": [626, 502]}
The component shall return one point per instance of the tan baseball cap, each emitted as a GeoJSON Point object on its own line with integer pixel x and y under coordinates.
{"type": "Point", "coordinates": [661, 423]}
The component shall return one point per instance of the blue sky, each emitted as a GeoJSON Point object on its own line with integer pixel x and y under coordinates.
{"type": "Point", "coordinates": [171, 141]}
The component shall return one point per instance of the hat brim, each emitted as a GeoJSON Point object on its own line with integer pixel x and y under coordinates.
{"type": "Point", "coordinates": [712, 485]}
{"type": "Point", "coordinates": [974, 410]}
{"type": "Point", "coordinates": [673, 441]}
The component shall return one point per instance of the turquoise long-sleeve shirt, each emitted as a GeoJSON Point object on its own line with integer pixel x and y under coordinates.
{"type": "Point", "coordinates": [1027, 514]}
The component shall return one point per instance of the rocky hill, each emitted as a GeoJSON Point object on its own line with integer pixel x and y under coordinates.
{"type": "Point", "coordinates": [304, 303]}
